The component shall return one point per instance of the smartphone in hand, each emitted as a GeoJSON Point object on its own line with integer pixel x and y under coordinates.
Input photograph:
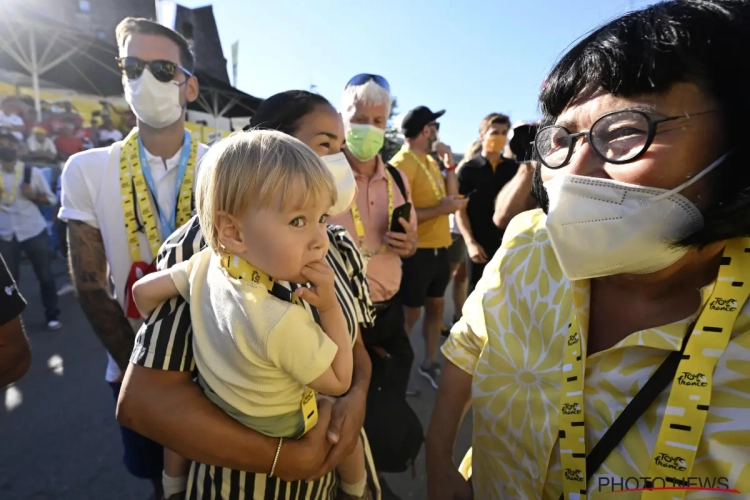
{"type": "Point", "coordinates": [400, 212]}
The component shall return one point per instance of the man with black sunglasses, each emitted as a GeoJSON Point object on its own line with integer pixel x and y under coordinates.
{"type": "Point", "coordinates": [121, 202]}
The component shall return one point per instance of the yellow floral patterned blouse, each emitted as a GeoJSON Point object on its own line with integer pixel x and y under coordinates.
{"type": "Point", "coordinates": [511, 340]}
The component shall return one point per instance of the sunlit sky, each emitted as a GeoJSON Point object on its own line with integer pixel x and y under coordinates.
{"type": "Point", "coordinates": [469, 57]}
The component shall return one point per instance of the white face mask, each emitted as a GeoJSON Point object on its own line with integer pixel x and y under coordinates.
{"type": "Point", "coordinates": [346, 185]}
{"type": "Point", "coordinates": [601, 227]}
{"type": "Point", "coordinates": [155, 103]}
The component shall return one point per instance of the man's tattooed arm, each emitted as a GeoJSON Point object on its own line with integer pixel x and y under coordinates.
{"type": "Point", "coordinates": [88, 268]}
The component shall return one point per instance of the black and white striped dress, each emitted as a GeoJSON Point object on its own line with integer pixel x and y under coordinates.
{"type": "Point", "coordinates": [165, 343]}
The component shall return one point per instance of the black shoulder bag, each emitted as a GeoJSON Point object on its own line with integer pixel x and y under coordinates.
{"type": "Point", "coordinates": [659, 381]}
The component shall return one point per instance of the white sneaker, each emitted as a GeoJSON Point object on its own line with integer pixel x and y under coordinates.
{"type": "Point", "coordinates": [54, 325]}
{"type": "Point", "coordinates": [66, 288]}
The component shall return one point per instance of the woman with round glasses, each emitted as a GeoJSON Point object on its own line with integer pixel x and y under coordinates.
{"type": "Point", "coordinates": [607, 347]}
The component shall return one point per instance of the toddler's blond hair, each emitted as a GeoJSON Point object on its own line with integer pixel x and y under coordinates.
{"type": "Point", "coordinates": [247, 169]}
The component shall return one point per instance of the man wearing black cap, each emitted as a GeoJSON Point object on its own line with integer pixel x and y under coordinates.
{"type": "Point", "coordinates": [427, 273]}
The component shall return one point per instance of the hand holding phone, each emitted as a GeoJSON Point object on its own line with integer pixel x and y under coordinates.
{"type": "Point", "coordinates": [400, 212]}
{"type": "Point", "coordinates": [402, 239]}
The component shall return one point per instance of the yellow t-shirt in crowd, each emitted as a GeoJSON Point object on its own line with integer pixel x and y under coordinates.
{"type": "Point", "coordinates": [510, 339]}
{"type": "Point", "coordinates": [256, 353]}
{"type": "Point", "coordinates": [433, 233]}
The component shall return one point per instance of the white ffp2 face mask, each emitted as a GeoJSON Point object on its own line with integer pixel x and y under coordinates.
{"type": "Point", "coordinates": [346, 184]}
{"type": "Point", "coordinates": [602, 227]}
{"type": "Point", "coordinates": [155, 103]}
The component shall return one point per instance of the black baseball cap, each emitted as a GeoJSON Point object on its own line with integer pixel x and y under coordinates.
{"type": "Point", "coordinates": [417, 118]}
{"type": "Point", "coordinates": [9, 135]}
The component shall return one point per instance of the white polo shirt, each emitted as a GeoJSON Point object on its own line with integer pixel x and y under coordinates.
{"type": "Point", "coordinates": [91, 194]}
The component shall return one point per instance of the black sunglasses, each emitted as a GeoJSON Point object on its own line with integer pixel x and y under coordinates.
{"type": "Point", "coordinates": [363, 78]}
{"type": "Point", "coordinates": [434, 124]}
{"type": "Point", "coordinates": [163, 71]}
{"type": "Point", "coordinates": [618, 137]}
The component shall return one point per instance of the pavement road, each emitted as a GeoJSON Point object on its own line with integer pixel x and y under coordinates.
{"type": "Point", "coordinates": [58, 435]}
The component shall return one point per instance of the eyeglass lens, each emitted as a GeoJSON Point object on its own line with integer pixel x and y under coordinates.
{"type": "Point", "coordinates": [618, 137]}
{"type": "Point", "coordinates": [163, 71]}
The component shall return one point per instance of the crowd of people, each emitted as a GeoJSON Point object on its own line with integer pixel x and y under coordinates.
{"type": "Point", "coordinates": [60, 133]}
{"type": "Point", "coordinates": [257, 298]}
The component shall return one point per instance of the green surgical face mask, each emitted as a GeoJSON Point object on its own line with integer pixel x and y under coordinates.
{"type": "Point", "coordinates": [364, 141]}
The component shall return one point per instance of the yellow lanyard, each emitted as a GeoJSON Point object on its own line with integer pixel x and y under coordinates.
{"type": "Point", "coordinates": [242, 270]}
{"type": "Point", "coordinates": [360, 227]}
{"type": "Point", "coordinates": [689, 398]}
{"type": "Point", "coordinates": [131, 177]}
{"type": "Point", "coordinates": [437, 187]}
{"type": "Point", "coordinates": [10, 195]}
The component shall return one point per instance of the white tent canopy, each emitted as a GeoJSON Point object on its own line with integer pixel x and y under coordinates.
{"type": "Point", "coordinates": [38, 47]}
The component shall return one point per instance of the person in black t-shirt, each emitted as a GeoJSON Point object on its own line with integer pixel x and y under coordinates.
{"type": "Point", "coordinates": [15, 355]}
{"type": "Point", "coordinates": [481, 179]}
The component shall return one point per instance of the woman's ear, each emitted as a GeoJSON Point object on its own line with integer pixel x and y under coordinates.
{"type": "Point", "coordinates": [230, 233]}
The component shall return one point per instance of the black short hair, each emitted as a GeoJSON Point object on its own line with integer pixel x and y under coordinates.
{"type": "Point", "coordinates": [650, 50]}
{"type": "Point", "coordinates": [132, 25]}
{"type": "Point", "coordinates": [285, 110]}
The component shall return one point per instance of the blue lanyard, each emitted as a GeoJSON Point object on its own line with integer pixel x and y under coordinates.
{"type": "Point", "coordinates": [168, 226]}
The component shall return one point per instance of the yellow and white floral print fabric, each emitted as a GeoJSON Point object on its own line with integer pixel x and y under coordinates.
{"type": "Point", "coordinates": [510, 340]}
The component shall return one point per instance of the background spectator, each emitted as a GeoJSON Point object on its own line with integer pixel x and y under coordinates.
{"type": "Point", "coordinates": [108, 133]}
{"type": "Point", "coordinates": [22, 225]}
{"type": "Point", "coordinates": [68, 144]}
{"type": "Point", "coordinates": [69, 116]}
{"type": "Point", "coordinates": [40, 145]}
{"type": "Point", "coordinates": [11, 120]}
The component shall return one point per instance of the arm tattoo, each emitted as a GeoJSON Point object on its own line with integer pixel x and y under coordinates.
{"type": "Point", "coordinates": [88, 269]}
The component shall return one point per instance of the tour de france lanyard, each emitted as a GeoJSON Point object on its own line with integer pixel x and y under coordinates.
{"type": "Point", "coordinates": [689, 398]}
{"type": "Point", "coordinates": [437, 188]}
{"type": "Point", "coordinates": [360, 227]}
{"type": "Point", "coordinates": [242, 270]}
{"type": "Point", "coordinates": [136, 182]}
{"type": "Point", "coordinates": [10, 195]}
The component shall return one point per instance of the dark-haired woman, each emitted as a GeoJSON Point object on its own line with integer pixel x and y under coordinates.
{"type": "Point", "coordinates": [635, 282]}
{"type": "Point", "coordinates": [161, 401]}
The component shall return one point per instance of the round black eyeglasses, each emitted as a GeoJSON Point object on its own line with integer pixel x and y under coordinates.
{"type": "Point", "coordinates": [618, 137]}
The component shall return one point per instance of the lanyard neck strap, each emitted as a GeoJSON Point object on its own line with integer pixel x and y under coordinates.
{"type": "Point", "coordinates": [359, 225]}
{"type": "Point", "coordinates": [9, 195]}
{"type": "Point", "coordinates": [136, 183]}
{"type": "Point", "coordinates": [242, 270]}
{"type": "Point", "coordinates": [438, 188]}
{"type": "Point", "coordinates": [168, 224]}
{"type": "Point", "coordinates": [689, 398]}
